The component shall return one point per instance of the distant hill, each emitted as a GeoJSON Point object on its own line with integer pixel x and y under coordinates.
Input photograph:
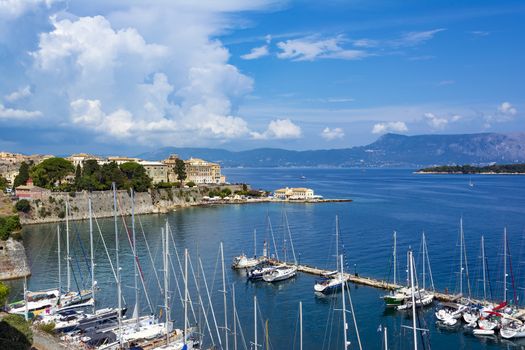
{"type": "Point", "coordinates": [390, 150]}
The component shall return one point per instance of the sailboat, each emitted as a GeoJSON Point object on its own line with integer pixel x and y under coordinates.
{"type": "Point", "coordinates": [449, 313]}
{"type": "Point", "coordinates": [244, 262]}
{"type": "Point", "coordinates": [332, 281]}
{"type": "Point", "coordinates": [398, 296]}
{"type": "Point", "coordinates": [285, 271]}
{"type": "Point", "coordinates": [419, 297]}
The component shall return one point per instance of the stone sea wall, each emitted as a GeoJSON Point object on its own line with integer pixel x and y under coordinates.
{"type": "Point", "coordinates": [13, 261]}
{"type": "Point", "coordinates": [51, 208]}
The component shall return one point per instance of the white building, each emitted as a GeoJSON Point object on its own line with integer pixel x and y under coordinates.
{"type": "Point", "coordinates": [298, 193]}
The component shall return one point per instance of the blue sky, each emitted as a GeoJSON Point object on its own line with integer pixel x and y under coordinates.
{"type": "Point", "coordinates": [128, 76]}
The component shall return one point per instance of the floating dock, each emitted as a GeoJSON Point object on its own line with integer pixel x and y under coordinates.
{"type": "Point", "coordinates": [366, 281]}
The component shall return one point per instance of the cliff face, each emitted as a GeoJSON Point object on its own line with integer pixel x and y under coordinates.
{"type": "Point", "coordinates": [52, 208]}
{"type": "Point", "coordinates": [13, 261]}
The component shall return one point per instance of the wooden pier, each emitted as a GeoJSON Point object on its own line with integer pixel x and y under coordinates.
{"type": "Point", "coordinates": [366, 281]}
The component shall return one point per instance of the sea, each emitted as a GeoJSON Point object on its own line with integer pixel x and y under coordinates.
{"type": "Point", "coordinates": [383, 201]}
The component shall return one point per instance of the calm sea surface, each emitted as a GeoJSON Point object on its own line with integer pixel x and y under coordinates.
{"type": "Point", "coordinates": [383, 201]}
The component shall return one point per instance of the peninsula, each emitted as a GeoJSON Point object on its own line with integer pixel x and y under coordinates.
{"type": "Point", "coordinates": [498, 169]}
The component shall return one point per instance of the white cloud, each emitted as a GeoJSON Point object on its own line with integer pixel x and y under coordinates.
{"type": "Point", "coordinates": [9, 113]}
{"type": "Point", "coordinates": [416, 38]}
{"type": "Point", "coordinates": [446, 82]}
{"type": "Point", "coordinates": [365, 43]}
{"type": "Point", "coordinates": [507, 109]}
{"type": "Point", "coordinates": [332, 134]}
{"type": "Point", "coordinates": [10, 9]}
{"type": "Point", "coordinates": [18, 94]}
{"type": "Point", "coordinates": [312, 48]}
{"type": "Point", "coordinates": [92, 43]}
{"type": "Point", "coordinates": [256, 52]}
{"type": "Point", "coordinates": [279, 129]}
{"type": "Point", "coordinates": [381, 128]}
{"type": "Point", "coordinates": [435, 122]}
{"type": "Point", "coordinates": [479, 33]}
{"type": "Point", "coordinates": [506, 112]}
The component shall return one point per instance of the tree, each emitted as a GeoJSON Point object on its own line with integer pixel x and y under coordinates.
{"type": "Point", "coordinates": [137, 177]}
{"type": "Point", "coordinates": [3, 183]}
{"type": "Point", "coordinates": [51, 171]}
{"type": "Point", "coordinates": [23, 175]}
{"type": "Point", "coordinates": [78, 176]}
{"type": "Point", "coordinates": [4, 293]}
{"type": "Point", "coordinates": [180, 170]}
{"type": "Point", "coordinates": [191, 184]}
{"type": "Point", "coordinates": [23, 205]}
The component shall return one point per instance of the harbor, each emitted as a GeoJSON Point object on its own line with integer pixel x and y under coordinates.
{"type": "Point", "coordinates": [312, 229]}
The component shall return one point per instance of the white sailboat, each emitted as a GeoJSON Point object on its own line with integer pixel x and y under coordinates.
{"type": "Point", "coordinates": [244, 262]}
{"type": "Point", "coordinates": [285, 271]}
{"type": "Point", "coordinates": [332, 282]}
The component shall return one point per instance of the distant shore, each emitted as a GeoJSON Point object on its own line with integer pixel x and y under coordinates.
{"type": "Point", "coordinates": [461, 173]}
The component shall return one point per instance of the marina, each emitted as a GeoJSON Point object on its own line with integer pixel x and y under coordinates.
{"type": "Point", "coordinates": [312, 238]}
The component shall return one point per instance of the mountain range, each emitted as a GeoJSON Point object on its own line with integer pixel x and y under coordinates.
{"type": "Point", "coordinates": [390, 150]}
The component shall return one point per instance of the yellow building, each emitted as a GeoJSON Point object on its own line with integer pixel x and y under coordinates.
{"type": "Point", "coordinates": [298, 193]}
{"type": "Point", "coordinates": [203, 172]}
{"type": "Point", "coordinates": [157, 171]}
{"type": "Point", "coordinates": [170, 163]}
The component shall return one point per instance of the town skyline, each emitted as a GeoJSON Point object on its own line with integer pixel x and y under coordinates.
{"type": "Point", "coordinates": [114, 78]}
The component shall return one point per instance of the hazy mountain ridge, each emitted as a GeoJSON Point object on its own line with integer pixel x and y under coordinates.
{"type": "Point", "coordinates": [390, 150]}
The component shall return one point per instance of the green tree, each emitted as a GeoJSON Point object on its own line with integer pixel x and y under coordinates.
{"type": "Point", "coordinates": [191, 184]}
{"type": "Point", "coordinates": [3, 183]}
{"type": "Point", "coordinates": [90, 167]}
{"type": "Point", "coordinates": [23, 205]}
{"type": "Point", "coordinates": [4, 293]}
{"type": "Point", "coordinates": [23, 175]}
{"type": "Point", "coordinates": [180, 170]}
{"type": "Point", "coordinates": [16, 333]}
{"type": "Point", "coordinates": [51, 171]}
{"type": "Point", "coordinates": [137, 177]}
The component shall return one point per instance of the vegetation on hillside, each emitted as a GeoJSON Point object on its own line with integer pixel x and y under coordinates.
{"type": "Point", "coordinates": [469, 169]}
{"type": "Point", "coordinates": [58, 174]}
{"type": "Point", "coordinates": [4, 293]}
{"type": "Point", "coordinates": [8, 225]}
{"type": "Point", "coordinates": [3, 183]}
{"type": "Point", "coordinates": [15, 333]}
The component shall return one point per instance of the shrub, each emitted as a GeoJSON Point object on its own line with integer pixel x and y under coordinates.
{"type": "Point", "coordinates": [16, 333]}
{"type": "Point", "coordinates": [48, 327]}
{"type": "Point", "coordinates": [61, 214]}
{"type": "Point", "coordinates": [8, 224]}
{"type": "Point", "coordinates": [4, 293]}
{"type": "Point", "coordinates": [23, 205]}
{"type": "Point", "coordinates": [191, 184]}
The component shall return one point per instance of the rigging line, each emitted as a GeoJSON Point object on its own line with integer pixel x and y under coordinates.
{"type": "Point", "coordinates": [200, 301]}
{"type": "Point", "coordinates": [181, 272]}
{"type": "Point", "coordinates": [242, 333]}
{"type": "Point", "coordinates": [511, 274]}
{"type": "Point", "coordinates": [136, 258]}
{"type": "Point", "coordinates": [210, 305]}
{"type": "Point", "coordinates": [82, 249]}
{"type": "Point", "coordinates": [149, 254]}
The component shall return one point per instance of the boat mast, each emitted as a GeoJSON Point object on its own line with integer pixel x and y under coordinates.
{"type": "Point", "coordinates": [424, 262]}
{"type": "Point", "coordinates": [164, 234]}
{"type": "Point", "coordinates": [352, 310]}
{"type": "Point", "coordinates": [185, 295]}
{"type": "Point", "coordinates": [461, 256]}
{"type": "Point", "coordinates": [68, 257]}
{"type": "Point", "coordinates": [394, 253]}
{"type": "Point", "coordinates": [290, 237]}
{"type": "Point", "coordinates": [300, 325]}
{"type": "Point", "coordinates": [225, 301]}
{"type": "Point", "coordinates": [255, 345]}
{"type": "Point", "coordinates": [505, 264]}
{"type": "Point", "coordinates": [234, 318]}
{"type": "Point", "coordinates": [59, 263]}
{"type": "Point", "coordinates": [119, 287]}
{"type": "Point", "coordinates": [135, 260]}
{"type": "Point", "coordinates": [386, 338]}
{"type": "Point", "coordinates": [345, 326]}
{"type": "Point", "coordinates": [254, 243]}
{"type": "Point", "coordinates": [337, 243]}
{"type": "Point", "coordinates": [413, 298]}
{"type": "Point", "coordinates": [484, 268]}
{"type": "Point", "coordinates": [92, 254]}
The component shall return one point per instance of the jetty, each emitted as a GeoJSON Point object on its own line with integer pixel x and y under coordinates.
{"type": "Point", "coordinates": [365, 281]}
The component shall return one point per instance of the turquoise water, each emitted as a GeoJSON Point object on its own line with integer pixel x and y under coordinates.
{"type": "Point", "coordinates": [383, 201]}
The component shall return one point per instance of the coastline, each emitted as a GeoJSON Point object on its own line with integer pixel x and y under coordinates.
{"type": "Point", "coordinates": [461, 173]}
{"type": "Point", "coordinates": [161, 201]}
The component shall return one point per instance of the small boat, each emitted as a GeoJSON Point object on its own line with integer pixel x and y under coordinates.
{"type": "Point", "coordinates": [243, 262]}
{"type": "Point", "coordinates": [514, 329]}
{"type": "Point", "coordinates": [280, 273]}
{"type": "Point", "coordinates": [256, 274]}
{"type": "Point", "coordinates": [450, 310]}
{"type": "Point", "coordinates": [479, 331]}
{"type": "Point", "coordinates": [423, 298]}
